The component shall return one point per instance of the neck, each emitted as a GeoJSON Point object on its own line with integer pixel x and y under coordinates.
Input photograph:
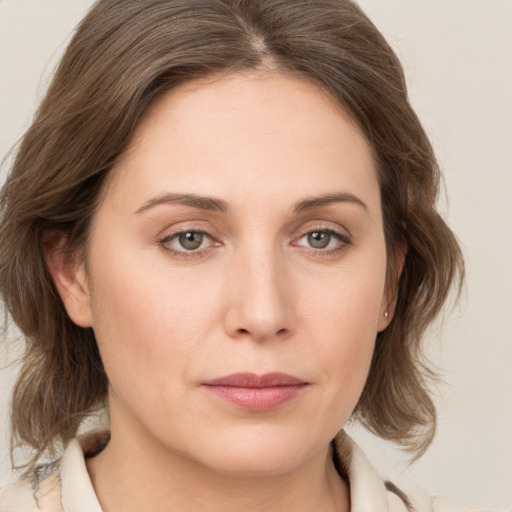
{"type": "Point", "coordinates": [135, 473]}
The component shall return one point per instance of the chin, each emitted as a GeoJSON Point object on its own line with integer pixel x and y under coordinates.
{"type": "Point", "coordinates": [257, 453]}
{"type": "Point", "coordinates": [255, 463]}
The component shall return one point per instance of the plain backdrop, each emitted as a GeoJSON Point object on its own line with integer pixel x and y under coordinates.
{"type": "Point", "coordinates": [457, 56]}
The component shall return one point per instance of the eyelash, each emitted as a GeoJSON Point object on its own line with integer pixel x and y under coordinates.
{"type": "Point", "coordinates": [185, 255]}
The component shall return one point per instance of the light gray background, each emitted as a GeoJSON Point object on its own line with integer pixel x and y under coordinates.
{"type": "Point", "coordinates": [458, 59]}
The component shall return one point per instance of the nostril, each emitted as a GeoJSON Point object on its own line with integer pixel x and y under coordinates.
{"type": "Point", "coordinates": [278, 333]}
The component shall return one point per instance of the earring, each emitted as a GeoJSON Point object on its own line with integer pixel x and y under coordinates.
{"type": "Point", "coordinates": [386, 314]}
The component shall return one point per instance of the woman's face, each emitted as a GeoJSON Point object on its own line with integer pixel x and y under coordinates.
{"type": "Point", "coordinates": [240, 233]}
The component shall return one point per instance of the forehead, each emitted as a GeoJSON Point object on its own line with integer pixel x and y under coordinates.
{"type": "Point", "coordinates": [256, 133]}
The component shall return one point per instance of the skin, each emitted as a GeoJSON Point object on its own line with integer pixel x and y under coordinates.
{"type": "Point", "coordinates": [259, 295]}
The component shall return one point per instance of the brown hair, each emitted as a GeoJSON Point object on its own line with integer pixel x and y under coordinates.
{"type": "Point", "coordinates": [126, 53]}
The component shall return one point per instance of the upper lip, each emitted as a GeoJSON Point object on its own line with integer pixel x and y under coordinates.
{"type": "Point", "coordinates": [252, 380]}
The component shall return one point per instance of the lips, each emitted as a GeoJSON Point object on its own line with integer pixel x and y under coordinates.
{"type": "Point", "coordinates": [251, 380]}
{"type": "Point", "coordinates": [256, 392]}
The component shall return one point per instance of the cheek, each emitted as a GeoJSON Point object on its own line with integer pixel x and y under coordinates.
{"type": "Point", "coordinates": [348, 343]}
{"type": "Point", "coordinates": [147, 325]}
{"type": "Point", "coordinates": [345, 316]}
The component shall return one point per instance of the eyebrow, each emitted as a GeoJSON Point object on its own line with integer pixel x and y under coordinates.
{"type": "Point", "coordinates": [317, 202]}
{"type": "Point", "coordinates": [193, 200]}
{"type": "Point", "coordinates": [218, 205]}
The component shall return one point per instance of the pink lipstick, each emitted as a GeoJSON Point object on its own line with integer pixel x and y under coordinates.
{"type": "Point", "coordinates": [257, 392]}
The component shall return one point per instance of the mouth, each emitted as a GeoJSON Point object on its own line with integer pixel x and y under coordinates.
{"type": "Point", "coordinates": [256, 392]}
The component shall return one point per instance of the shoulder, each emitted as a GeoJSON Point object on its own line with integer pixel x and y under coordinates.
{"type": "Point", "coordinates": [401, 502]}
{"type": "Point", "coordinates": [64, 481]}
{"type": "Point", "coordinates": [39, 491]}
{"type": "Point", "coordinates": [440, 504]}
{"type": "Point", "coordinates": [18, 497]}
{"type": "Point", "coordinates": [370, 493]}
{"type": "Point", "coordinates": [418, 502]}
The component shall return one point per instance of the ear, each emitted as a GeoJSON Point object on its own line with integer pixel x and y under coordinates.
{"type": "Point", "coordinates": [387, 309]}
{"type": "Point", "coordinates": [68, 272]}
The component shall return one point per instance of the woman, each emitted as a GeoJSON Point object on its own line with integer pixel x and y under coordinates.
{"type": "Point", "coordinates": [222, 224]}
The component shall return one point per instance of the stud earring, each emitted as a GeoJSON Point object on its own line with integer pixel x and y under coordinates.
{"type": "Point", "coordinates": [386, 314]}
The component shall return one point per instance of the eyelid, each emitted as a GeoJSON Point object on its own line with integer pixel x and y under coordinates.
{"type": "Point", "coordinates": [186, 225]}
{"type": "Point", "coordinates": [324, 226]}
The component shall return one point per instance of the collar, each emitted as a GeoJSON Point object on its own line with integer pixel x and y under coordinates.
{"type": "Point", "coordinates": [77, 491]}
{"type": "Point", "coordinates": [367, 490]}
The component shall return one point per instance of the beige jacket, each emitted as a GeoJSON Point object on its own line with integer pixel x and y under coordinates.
{"type": "Point", "coordinates": [64, 486]}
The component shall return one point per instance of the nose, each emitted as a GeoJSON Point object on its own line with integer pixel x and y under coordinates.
{"type": "Point", "coordinates": [260, 295]}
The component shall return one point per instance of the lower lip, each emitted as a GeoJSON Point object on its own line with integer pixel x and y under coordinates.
{"type": "Point", "coordinates": [257, 399]}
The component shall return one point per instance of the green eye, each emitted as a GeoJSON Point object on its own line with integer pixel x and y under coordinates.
{"type": "Point", "coordinates": [319, 239]}
{"type": "Point", "coordinates": [191, 240]}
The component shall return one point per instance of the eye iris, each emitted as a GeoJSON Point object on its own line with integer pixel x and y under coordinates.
{"type": "Point", "coordinates": [191, 240]}
{"type": "Point", "coordinates": [319, 240]}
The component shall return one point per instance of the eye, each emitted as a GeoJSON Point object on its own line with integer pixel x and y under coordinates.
{"type": "Point", "coordinates": [186, 241]}
{"type": "Point", "coordinates": [191, 240]}
{"type": "Point", "coordinates": [326, 241]}
{"type": "Point", "coordinates": [319, 239]}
